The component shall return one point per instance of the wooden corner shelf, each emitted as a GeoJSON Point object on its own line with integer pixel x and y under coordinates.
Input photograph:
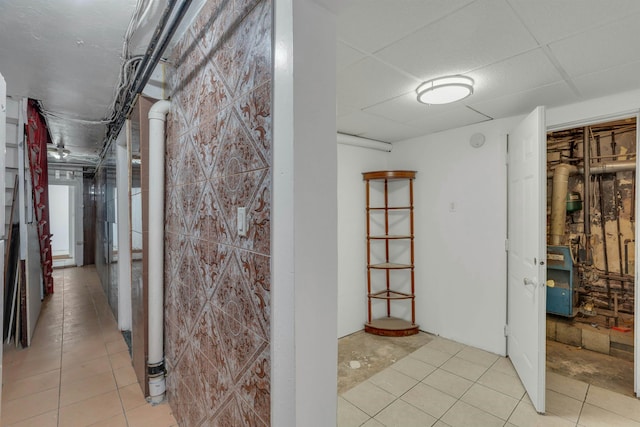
{"type": "Point", "coordinates": [383, 291]}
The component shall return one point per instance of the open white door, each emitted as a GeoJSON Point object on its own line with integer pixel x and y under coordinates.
{"type": "Point", "coordinates": [526, 284]}
{"type": "Point", "coordinates": [3, 135]}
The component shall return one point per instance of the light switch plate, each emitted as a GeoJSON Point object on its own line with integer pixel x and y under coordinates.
{"type": "Point", "coordinates": [242, 221]}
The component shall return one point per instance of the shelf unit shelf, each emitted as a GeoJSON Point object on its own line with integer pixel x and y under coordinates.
{"type": "Point", "coordinates": [384, 290]}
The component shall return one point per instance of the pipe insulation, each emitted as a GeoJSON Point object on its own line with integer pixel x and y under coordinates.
{"type": "Point", "coordinates": [155, 361]}
{"type": "Point", "coordinates": [559, 201]}
{"type": "Point", "coordinates": [344, 139]}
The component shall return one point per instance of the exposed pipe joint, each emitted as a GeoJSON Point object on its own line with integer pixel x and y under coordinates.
{"type": "Point", "coordinates": [343, 138]}
{"type": "Point", "coordinates": [155, 362]}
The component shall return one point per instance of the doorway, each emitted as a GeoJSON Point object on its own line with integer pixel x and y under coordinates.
{"type": "Point", "coordinates": [62, 224]}
{"type": "Point", "coordinates": [591, 209]}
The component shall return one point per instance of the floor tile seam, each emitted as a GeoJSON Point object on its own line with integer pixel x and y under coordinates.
{"type": "Point", "coordinates": [581, 409]}
{"type": "Point", "coordinates": [32, 416]}
{"type": "Point", "coordinates": [483, 410]}
{"type": "Point", "coordinates": [524, 392]}
{"type": "Point", "coordinates": [468, 379]}
{"type": "Point", "coordinates": [124, 410]}
{"type": "Point", "coordinates": [382, 409]}
{"type": "Point", "coordinates": [66, 365]}
{"type": "Point", "coordinates": [87, 378]}
{"type": "Point", "coordinates": [430, 364]}
{"type": "Point", "coordinates": [421, 410]}
{"type": "Point", "coordinates": [451, 373]}
{"type": "Point", "coordinates": [5, 401]}
{"type": "Point", "coordinates": [568, 395]}
{"type": "Point", "coordinates": [7, 382]}
{"type": "Point", "coordinates": [62, 334]}
{"type": "Point", "coordinates": [609, 411]}
{"type": "Point", "coordinates": [493, 389]}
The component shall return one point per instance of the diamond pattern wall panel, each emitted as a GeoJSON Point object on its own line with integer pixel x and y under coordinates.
{"type": "Point", "coordinates": [219, 139]}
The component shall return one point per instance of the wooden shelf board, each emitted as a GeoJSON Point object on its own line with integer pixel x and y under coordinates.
{"type": "Point", "coordinates": [391, 237]}
{"type": "Point", "coordinates": [390, 208]}
{"type": "Point", "coordinates": [391, 327]}
{"type": "Point", "coordinates": [390, 266]}
{"type": "Point", "coordinates": [389, 175]}
{"type": "Point", "coordinates": [393, 295]}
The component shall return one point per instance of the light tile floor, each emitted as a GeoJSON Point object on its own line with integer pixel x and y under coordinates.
{"type": "Point", "coordinates": [77, 371]}
{"type": "Point", "coordinates": [445, 383]}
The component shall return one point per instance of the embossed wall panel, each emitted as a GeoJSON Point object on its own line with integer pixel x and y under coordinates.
{"type": "Point", "coordinates": [219, 158]}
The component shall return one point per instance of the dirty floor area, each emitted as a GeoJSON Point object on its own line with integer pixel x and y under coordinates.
{"type": "Point", "coordinates": [362, 355]}
{"type": "Point", "coordinates": [597, 369]}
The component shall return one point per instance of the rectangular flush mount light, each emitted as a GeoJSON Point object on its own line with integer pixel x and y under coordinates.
{"type": "Point", "coordinates": [445, 90]}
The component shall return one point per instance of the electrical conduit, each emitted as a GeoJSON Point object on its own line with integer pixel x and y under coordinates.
{"type": "Point", "coordinates": [155, 361]}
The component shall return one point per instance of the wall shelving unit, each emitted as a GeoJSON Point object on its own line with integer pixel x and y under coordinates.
{"type": "Point", "coordinates": [394, 223]}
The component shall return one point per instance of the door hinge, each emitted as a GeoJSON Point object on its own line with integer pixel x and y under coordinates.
{"type": "Point", "coordinates": [506, 330]}
{"type": "Point", "coordinates": [506, 245]}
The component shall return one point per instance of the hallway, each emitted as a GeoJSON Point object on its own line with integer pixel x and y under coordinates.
{"type": "Point", "coordinates": [77, 371]}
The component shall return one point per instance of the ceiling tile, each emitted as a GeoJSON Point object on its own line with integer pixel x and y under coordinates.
{"type": "Point", "coordinates": [485, 32]}
{"type": "Point", "coordinates": [346, 56]}
{"type": "Point", "coordinates": [374, 127]}
{"type": "Point", "coordinates": [366, 24]}
{"type": "Point", "coordinates": [613, 80]}
{"type": "Point", "coordinates": [524, 102]}
{"type": "Point", "coordinates": [406, 108]}
{"type": "Point", "coordinates": [551, 20]}
{"type": "Point", "coordinates": [344, 110]}
{"type": "Point", "coordinates": [434, 121]}
{"type": "Point", "coordinates": [513, 75]}
{"type": "Point", "coordinates": [599, 49]}
{"type": "Point", "coordinates": [369, 82]}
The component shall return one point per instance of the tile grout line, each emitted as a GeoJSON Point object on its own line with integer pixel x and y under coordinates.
{"type": "Point", "coordinates": [61, 349]}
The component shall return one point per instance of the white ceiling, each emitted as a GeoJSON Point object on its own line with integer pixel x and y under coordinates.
{"type": "Point", "coordinates": [521, 53]}
{"type": "Point", "coordinates": [65, 53]}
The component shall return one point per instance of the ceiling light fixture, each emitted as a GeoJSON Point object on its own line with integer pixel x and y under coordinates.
{"type": "Point", "coordinates": [58, 153]}
{"type": "Point", "coordinates": [445, 90]}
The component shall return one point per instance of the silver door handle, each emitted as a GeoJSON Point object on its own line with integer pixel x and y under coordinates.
{"type": "Point", "coordinates": [530, 282]}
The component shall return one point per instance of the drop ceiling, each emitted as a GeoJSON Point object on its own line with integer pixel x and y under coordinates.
{"type": "Point", "coordinates": [521, 53]}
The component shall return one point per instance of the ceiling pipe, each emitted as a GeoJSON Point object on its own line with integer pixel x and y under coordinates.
{"type": "Point", "coordinates": [159, 42]}
{"type": "Point", "coordinates": [357, 141]}
{"type": "Point", "coordinates": [605, 167]}
{"type": "Point", "coordinates": [155, 361]}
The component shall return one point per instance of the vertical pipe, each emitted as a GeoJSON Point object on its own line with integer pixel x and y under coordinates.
{"type": "Point", "coordinates": [586, 149]}
{"type": "Point", "coordinates": [616, 199]}
{"type": "Point", "coordinates": [124, 227]}
{"type": "Point", "coordinates": [155, 361]}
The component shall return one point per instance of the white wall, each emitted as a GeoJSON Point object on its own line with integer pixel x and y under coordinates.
{"type": "Point", "coordinates": [352, 279]}
{"type": "Point", "coordinates": [460, 228]}
{"type": "Point", "coordinates": [460, 199]}
{"type": "Point", "coordinates": [304, 216]}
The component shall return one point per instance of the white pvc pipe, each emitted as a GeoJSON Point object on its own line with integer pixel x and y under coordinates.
{"type": "Point", "coordinates": [357, 141]}
{"type": "Point", "coordinates": [124, 243]}
{"type": "Point", "coordinates": [155, 361]}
